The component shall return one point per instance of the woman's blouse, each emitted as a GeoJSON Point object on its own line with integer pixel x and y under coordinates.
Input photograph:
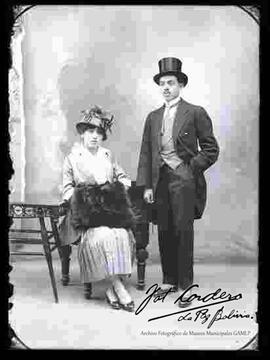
{"type": "Point", "coordinates": [80, 166]}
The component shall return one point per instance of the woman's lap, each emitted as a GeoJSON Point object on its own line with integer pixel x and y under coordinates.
{"type": "Point", "coordinates": [104, 252]}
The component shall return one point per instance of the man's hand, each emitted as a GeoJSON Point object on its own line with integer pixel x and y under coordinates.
{"type": "Point", "coordinates": [148, 196]}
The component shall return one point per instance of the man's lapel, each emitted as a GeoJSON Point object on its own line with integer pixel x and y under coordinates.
{"type": "Point", "coordinates": [158, 124]}
{"type": "Point", "coordinates": [180, 118]}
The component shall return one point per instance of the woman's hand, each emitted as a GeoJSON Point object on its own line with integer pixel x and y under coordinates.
{"type": "Point", "coordinates": [63, 207]}
{"type": "Point", "coordinates": [126, 187]}
{"type": "Point", "coordinates": [148, 196]}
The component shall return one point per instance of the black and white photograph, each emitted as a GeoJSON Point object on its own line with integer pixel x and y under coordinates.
{"type": "Point", "coordinates": [133, 203]}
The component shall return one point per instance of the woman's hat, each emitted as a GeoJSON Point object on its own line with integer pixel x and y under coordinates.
{"type": "Point", "coordinates": [171, 66]}
{"type": "Point", "coordinates": [95, 117]}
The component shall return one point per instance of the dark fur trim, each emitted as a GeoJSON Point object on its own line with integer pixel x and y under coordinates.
{"type": "Point", "coordinates": [101, 205]}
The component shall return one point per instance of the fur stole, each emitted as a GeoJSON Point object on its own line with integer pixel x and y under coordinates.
{"type": "Point", "coordinates": [101, 205]}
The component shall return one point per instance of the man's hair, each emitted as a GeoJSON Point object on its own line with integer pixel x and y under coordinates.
{"type": "Point", "coordinates": [180, 81]}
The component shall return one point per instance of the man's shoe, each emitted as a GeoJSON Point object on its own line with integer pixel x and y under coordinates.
{"type": "Point", "coordinates": [182, 302]}
{"type": "Point", "coordinates": [162, 291]}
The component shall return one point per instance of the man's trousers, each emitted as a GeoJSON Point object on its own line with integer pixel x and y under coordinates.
{"type": "Point", "coordinates": [175, 203]}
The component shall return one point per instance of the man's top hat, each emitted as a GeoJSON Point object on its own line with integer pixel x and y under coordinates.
{"type": "Point", "coordinates": [171, 66]}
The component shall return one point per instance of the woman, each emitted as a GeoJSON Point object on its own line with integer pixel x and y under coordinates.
{"type": "Point", "coordinates": [100, 217]}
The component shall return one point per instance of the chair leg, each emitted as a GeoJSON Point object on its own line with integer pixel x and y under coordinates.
{"type": "Point", "coordinates": [51, 271]}
{"type": "Point", "coordinates": [48, 255]}
{"type": "Point", "coordinates": [142, 255]}
{"type": "Point", "coordinates": [64, 253]}
{"type": "Point", "coordinates": [87, 290]}
{"type": "Point", "coordinates": [65, 279]}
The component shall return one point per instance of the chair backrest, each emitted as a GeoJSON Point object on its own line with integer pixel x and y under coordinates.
{"type": "Point", "coordinates": [22, 210]}
{"type": "Point", "coordinates": [31, 236]}
{"type": "Point", "coordinates": [49, 239]}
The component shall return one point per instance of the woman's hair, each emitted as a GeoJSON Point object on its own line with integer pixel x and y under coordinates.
{"type": "Point", "coordinates": [81, 128]}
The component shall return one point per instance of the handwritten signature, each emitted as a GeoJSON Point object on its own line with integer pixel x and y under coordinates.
{"type": "Point", "coordinates": [202, 313]}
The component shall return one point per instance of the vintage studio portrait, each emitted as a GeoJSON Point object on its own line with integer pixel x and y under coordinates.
{"type": "Point", "coordinates": [134, 200]}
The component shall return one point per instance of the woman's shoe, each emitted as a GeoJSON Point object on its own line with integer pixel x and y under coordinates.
{"type": "Point", "coordinates": [113, 303]}
{"type": "Point", "coordinates": [122, 295]}
{"type": "Point", "coordinates": [128, 307]}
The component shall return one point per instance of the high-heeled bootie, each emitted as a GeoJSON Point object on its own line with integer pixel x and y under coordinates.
{"type": "Point", "coordinates": [124, 298]}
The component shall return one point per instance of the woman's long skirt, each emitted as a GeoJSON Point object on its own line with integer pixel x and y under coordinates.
{"type": "Point", "coordinates": [104, 252]}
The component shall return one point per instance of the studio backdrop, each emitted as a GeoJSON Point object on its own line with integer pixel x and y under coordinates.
{"type": "Point", "coordinates": [68, 57]}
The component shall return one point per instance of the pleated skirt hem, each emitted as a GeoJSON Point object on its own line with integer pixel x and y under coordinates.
{"type": "Point", "coordinates": [104, 252]}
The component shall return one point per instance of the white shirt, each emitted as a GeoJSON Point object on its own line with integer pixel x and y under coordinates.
{"type": "Point", "coordinates": [170, 110]}
{"type": "Point", "coordinates": [168, 152]}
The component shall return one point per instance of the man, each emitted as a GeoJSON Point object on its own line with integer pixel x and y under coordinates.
{"type": "Point", "coordinates": [171, 168]}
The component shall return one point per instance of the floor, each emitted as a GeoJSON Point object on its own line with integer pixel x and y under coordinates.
{"type": "Point", "coordinates": [77, 323]}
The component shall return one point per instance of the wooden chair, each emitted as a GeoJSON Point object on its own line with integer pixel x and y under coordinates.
{"type": "Point", "coordinates": [48, 238]}
{"type": "Point", "coordinates": [141, 233]}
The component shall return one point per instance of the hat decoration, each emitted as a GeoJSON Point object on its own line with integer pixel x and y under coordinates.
{"type": "Point", "coordinates": [98, 117]}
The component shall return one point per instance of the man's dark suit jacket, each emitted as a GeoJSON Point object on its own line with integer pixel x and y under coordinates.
{"type": "Point", "coordinates": [192, 126]}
